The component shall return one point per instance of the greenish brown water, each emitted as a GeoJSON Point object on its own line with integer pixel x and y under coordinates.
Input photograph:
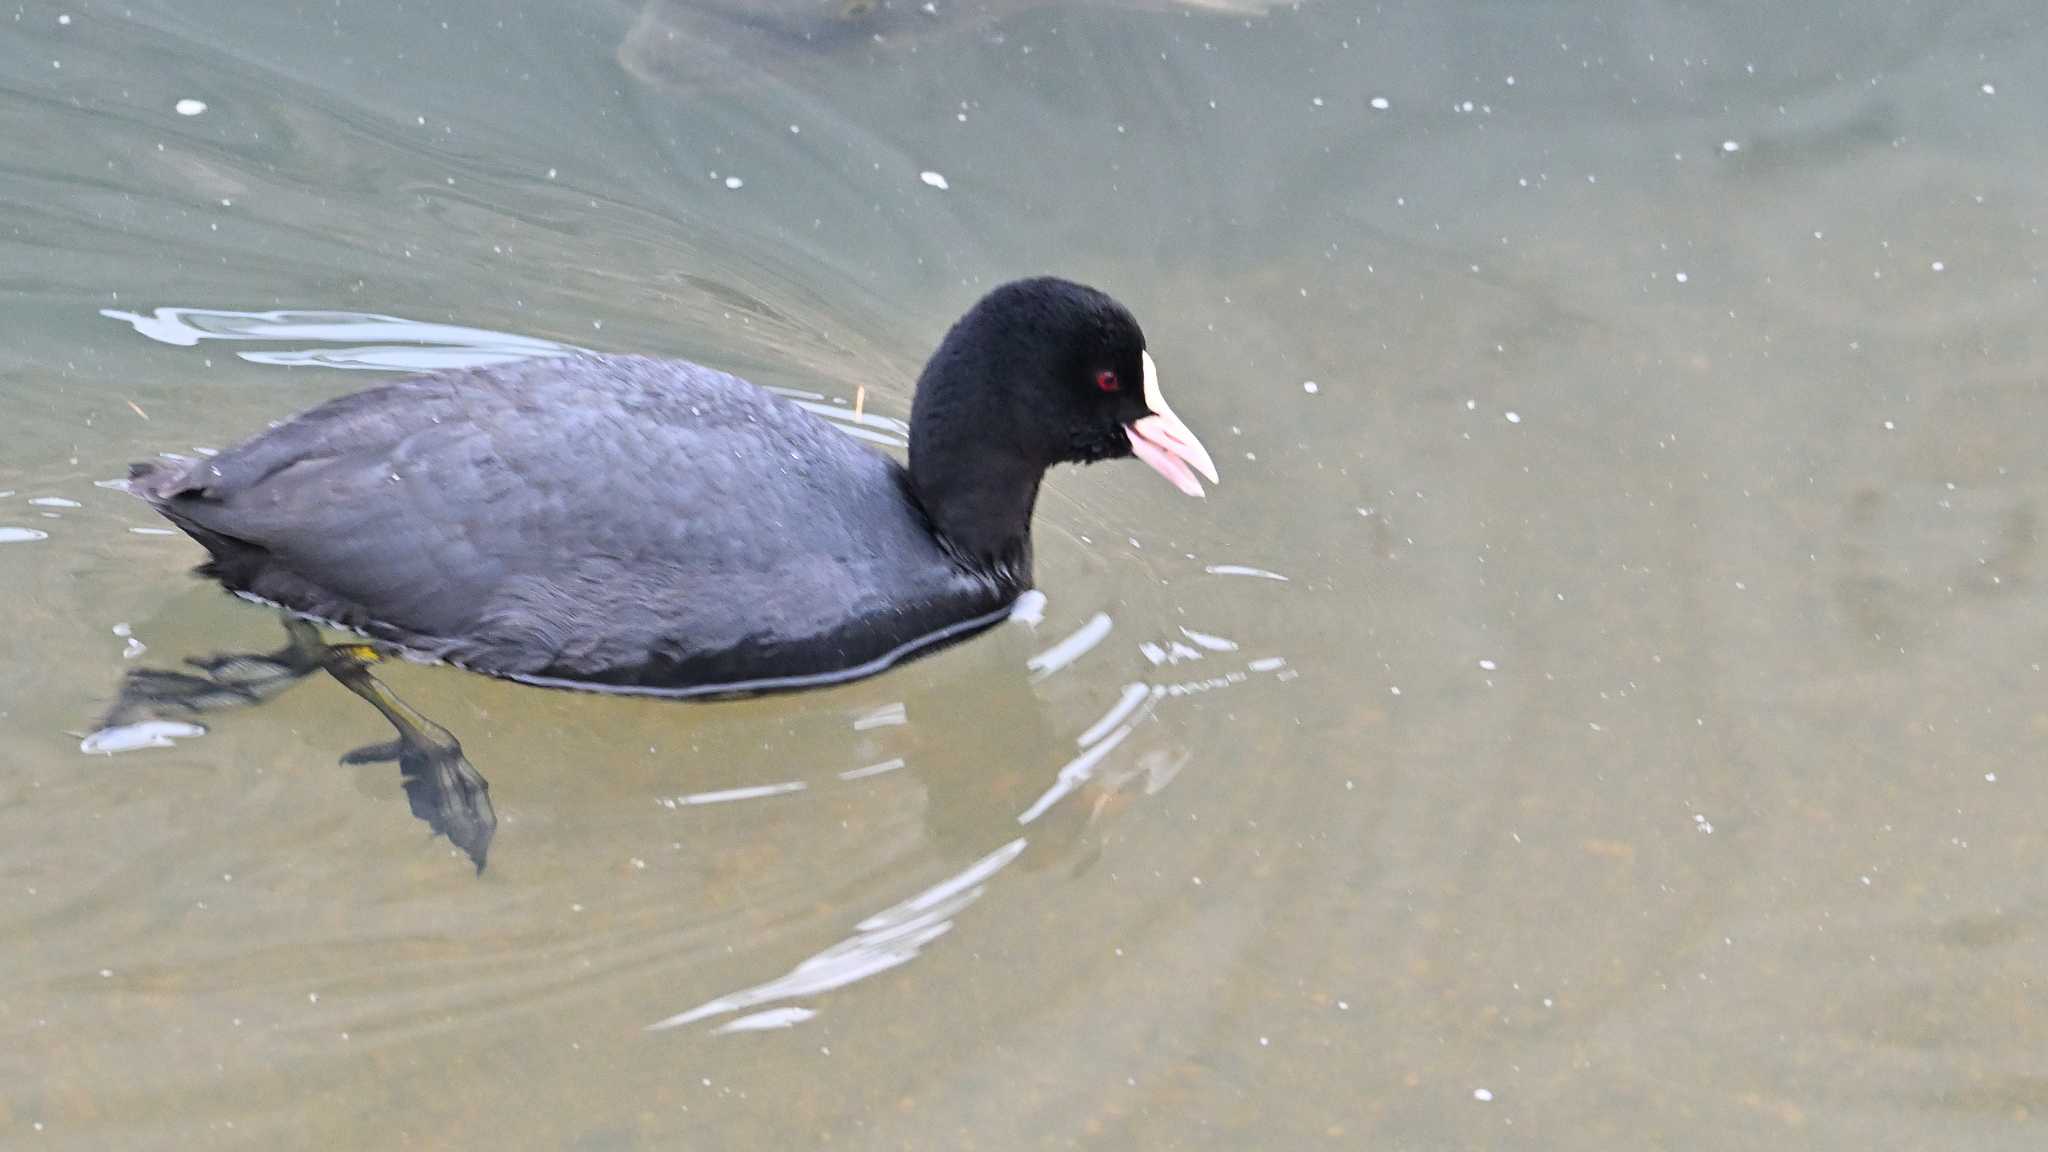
{"type": "Point", "coordinates": [1651, 759]}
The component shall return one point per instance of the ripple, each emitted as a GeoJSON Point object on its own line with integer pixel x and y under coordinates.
{"type": "Point", "coordinates": [1212, 643]}
{"type": "Point", "coordinates": [1242, 570]}
{"type": "Point", "coordinates": [1075, 772]}
{"type": "Point", "coordinates": [888, 939]}
{"type": "Point", "coordinates": [883, 768]}
{"type": "Point", "coordinates": [131, 737]}
{"type": "Point", "coordinates": [186, 327]}
{"type": "Point", "coordinates": [786, 1017]}
{"type": "Point", "coordinates": [374, 342]}
{"type": "Point", "coordinates": [1133, 695]}
{"type": "Point", "coordinates": [1075, 646]}
{"type": "Point", "coordinates": [729, 795]}
{"type": "Point", "coordinates": [886, 716]}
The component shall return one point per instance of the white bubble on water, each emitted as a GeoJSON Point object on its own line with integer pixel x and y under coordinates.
{"type": "Point", "coordinates": [934, 179]}
{"type": "Point", "coordinates": [1380, 103]}
{"type": "Point", "coordinates": [189, 107]}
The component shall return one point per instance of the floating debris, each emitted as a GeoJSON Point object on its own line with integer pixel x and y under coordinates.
{"type": "Point", "coordinates": [189, 107]}
{"type": "Point", "coordinates": [934, 179]}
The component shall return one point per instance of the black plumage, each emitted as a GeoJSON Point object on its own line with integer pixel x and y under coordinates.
{"type": "Point", "coordinates": [636, 524]}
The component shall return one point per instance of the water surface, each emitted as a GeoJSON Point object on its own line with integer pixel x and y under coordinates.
{"type": "Point", "coordinates": [1600, 708]}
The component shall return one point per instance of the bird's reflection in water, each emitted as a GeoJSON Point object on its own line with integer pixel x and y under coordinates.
{"type": "Point", "coordinates": [979, 765]}
{"type": "Point", "coordinates": [1009, 773]}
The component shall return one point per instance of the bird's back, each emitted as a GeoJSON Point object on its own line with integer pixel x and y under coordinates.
{"type": "Point", "coordinates": [616, 521]}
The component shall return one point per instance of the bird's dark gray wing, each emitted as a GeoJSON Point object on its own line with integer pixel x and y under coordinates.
{"type": "Point", "coordinates": [564, 514]}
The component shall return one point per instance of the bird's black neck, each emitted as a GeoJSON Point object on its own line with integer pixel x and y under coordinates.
{"type": "Point", "coordinates": [979, 500]}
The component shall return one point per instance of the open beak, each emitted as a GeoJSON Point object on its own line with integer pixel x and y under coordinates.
{"type": "Point", "coordinates": [1165, 443]}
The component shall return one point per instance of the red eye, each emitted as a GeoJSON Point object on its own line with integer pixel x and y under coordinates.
{"type": "Point", "coordinates": [1107, 381]}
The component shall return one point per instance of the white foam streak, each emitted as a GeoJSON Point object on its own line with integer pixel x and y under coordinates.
{"type": "Point", "coordinates": [1133, 695]}
{"type": "Point", "coordinates": [890, 938]}
{"type": "Point", "coordinates": [1242, 570]}
{"type": "Point", "coordinates": [729, 795]}
{"type": "Point", "coordinates": [883, 768]}
{"type": "Point", "coordinates": [1073, 647]}
{"type": "Point", "coordinates": [144, 734]}
{"type": "Point", "coordinates": [1074, 774]}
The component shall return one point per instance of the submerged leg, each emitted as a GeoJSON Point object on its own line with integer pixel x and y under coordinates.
{"type": "Point", "coordinates": [443, 788]}
{"type": "Point", "coordinates": [220, 682]}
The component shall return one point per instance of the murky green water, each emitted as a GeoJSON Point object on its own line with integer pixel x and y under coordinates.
{"type": "Point", "coordinates": [1641, 751]}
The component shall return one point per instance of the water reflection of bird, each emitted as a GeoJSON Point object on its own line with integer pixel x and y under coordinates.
{"type": "Point", "coordinates": [654, 527]}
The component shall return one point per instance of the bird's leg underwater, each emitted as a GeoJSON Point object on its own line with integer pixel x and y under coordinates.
{"type": "Point", "coordinates": [219, 682]}
{"type": "Point", "coordinates": [443, 788]}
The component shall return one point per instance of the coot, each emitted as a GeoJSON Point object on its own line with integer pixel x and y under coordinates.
{"type": "Point", "coordinates": [656, 526]}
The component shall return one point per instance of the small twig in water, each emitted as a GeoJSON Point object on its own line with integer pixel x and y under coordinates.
{"type": "Point", "coordinates": [137, 409]}
{"type": "Point", "coordinates": [860, 400]}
